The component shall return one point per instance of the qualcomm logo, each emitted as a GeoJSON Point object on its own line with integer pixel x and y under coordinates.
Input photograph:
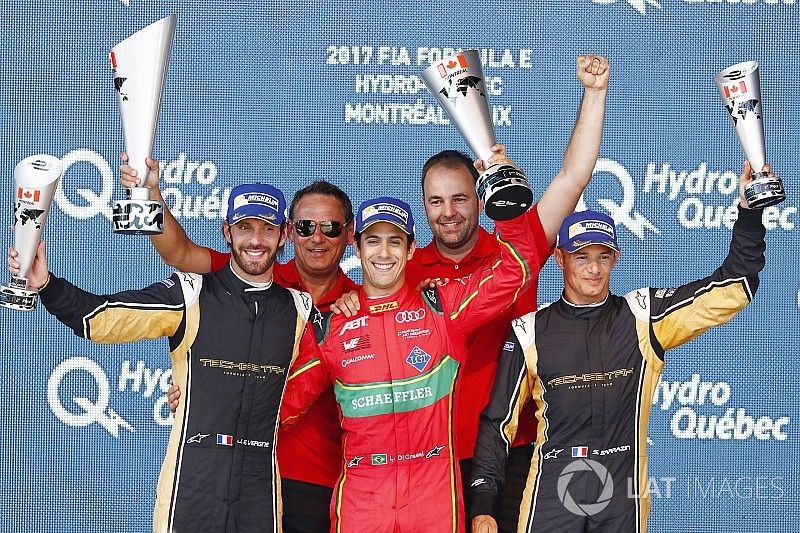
{"type": "Point", "coordinates": [638, 5]}
{"type": "Point", "coordinates": [622, 212]}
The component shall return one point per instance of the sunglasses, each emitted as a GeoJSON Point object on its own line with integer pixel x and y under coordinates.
{"type": "Point", "coordinates": [329, 228]}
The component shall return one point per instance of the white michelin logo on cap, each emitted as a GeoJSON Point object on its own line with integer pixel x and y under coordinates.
{"type": "Point", "coordinates": [590, 225]}
{"type": "Point", "coordinates": [248, 198]}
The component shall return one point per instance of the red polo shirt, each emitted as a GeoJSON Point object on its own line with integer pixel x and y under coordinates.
{"type": "Point", "coordinates": [310, 450]}
{"type": "Point", "coordinates": [476, 377]}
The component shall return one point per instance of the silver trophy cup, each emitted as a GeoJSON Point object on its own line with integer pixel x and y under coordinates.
{"type": "Point", "coordinates": [139, 64]}
{"type": "Point", "coordinates": [35, 181]}
{"type": "Point", "coordinates": [740, 89]}
{"type": "Point", "coordinates": [458, 85]}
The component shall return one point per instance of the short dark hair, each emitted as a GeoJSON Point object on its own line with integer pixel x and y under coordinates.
{"type": "Point", "coordinates": [450, 159]}
{"type": "Point", "coordinates": [325, 188]}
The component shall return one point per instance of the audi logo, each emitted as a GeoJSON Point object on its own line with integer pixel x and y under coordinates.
{"type": "Point", "coordinates": [409, 316]}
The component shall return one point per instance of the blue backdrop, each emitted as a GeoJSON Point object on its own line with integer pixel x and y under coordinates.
{"type": "Point", "coordinates": [288, 92]}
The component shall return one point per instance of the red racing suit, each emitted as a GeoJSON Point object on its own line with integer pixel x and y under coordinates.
{"type": "Point", "coordinates": [394, 367]}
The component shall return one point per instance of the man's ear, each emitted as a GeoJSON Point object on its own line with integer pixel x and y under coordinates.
{"type": "Point", "coordinates": [558, 254]}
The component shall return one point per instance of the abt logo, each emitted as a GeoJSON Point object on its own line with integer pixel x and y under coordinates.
{"type": "Point", "coordinates": [639, 5]}
{"type": "Point", "coordinates": [353, 324]}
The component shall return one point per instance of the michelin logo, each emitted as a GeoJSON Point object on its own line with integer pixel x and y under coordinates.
{"type": "Point", "coordinates": [373, 210]}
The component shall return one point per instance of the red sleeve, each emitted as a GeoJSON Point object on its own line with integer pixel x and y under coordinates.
{"type": "Point", "coordinates": [218, 259]}
{"type": "Point", "coordinates": [543, 250]}
{"type": "Point", "coordinates": [308, 378]}
{"type": "Point", "coordinates": [495, 288]}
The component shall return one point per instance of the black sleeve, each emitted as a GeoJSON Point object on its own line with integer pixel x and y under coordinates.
{"type": "Point", "coordinates": [149, 313]}
{"type": "Point", "coordinates": [498, 427]}
{"type": "Point", "coordinates": [680, 314]}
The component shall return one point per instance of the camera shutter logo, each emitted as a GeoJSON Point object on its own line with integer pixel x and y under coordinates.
{"type": "Point", "coordinates": [585, 509]}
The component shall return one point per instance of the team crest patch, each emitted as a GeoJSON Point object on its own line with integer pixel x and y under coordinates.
{"type": "Point", "coordinates": [418, 358]}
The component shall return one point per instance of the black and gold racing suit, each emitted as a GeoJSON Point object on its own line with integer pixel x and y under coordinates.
{"type": "Point", "coordinates": [231, 346]}
{"type": "Point", "coordinates": [591, 372]}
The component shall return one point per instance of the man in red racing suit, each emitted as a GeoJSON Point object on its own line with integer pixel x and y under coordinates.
{"type": "Point", "coordinates": [394, 367]}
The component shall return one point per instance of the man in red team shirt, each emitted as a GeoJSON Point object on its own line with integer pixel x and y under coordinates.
{"type": "Point", "coordinates": [321, 228]}
{"type": "Point", "coordinates": [460, 247]}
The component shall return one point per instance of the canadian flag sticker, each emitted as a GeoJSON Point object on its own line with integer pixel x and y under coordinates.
{"type": "Point", "coordinates": [28, 195]}
{"type": "Point", "coordinates": [460, 61]}
{"type": "Point", "coordinates": [735, 89]}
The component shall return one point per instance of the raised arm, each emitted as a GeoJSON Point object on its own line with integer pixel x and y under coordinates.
{"type": "Point", "coordinates": [495, 288]}
{"type": "Point", "coordinates": [156, 311]}
{"type": "Point", "coordinates": [680, 314]}
{"type": "Point", "coordinates": [174, 246]}
{"type": "Point", "coordinates": [580, 157]}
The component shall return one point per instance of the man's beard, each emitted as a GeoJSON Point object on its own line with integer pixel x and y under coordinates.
{"type": "Point", "coordinates": [250, 266]}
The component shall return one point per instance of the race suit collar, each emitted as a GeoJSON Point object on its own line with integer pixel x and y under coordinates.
{"type": "Point", "coordinates": [584, 311]}
{"type": "Point", "coordinates": [236, 284]}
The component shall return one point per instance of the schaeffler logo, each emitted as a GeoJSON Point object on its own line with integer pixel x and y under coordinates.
{"type": "Point", "coordinates": [99, 200]}
{"type": "Point", "coordinates": [585, 509]}
{"type": "Point", "coordinates": [94, 406]}
{"type": "Point", "coordinates": [639, 5]}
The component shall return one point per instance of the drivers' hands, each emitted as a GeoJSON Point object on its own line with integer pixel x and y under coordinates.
{"type": "Point", "coordinates": [593, 72]}
{"type": "Point", "coordinates": [173, 397]}
{"type": "Point", "coordinates": [499, 156]}
{"type": "Point", "coordinates": [38, 274]}
{"type": "Point", "coordinates": [484, 523]}
{"type": "Point", "coordinates": [347, 304]}
{"type": "Point", "coordinates": [129, 176]}
{"type": "Point", "coordinates": [746, 177]}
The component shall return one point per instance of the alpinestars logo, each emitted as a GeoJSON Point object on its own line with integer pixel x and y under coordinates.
{"type": "Point", "coordinates": [638, 5]}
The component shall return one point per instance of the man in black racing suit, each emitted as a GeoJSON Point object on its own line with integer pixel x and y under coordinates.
{"type": "Point", "coordinates": [591, 362]}
{"type": "Point", "coordinates": [233, 335]}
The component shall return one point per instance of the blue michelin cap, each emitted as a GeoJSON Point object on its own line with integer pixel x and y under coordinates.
{"type": "Point", "coordinates": [385, 209]}
{"type": "Point", "coordinates": [256, 200]}
{"type": "Point", "coordinates": [587, 227]}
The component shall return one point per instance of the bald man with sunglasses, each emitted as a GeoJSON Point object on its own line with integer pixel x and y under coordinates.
{"type": "Point", "coordinates": [320, 228]}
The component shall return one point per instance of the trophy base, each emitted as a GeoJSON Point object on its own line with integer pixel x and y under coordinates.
{"type": "Point", "coordinates": [764, 191]}
{"type": "Point", "coordinates": [505, 192]}
{"type": "Point", "coordinates": [16, 298]}
{"type": "Point", "coordinates": [138, 217]}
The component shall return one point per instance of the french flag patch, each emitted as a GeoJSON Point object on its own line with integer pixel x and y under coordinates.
{"type": "Point", "coordinates": [577, 451]}
{"type": "Point", "coordinates": [227, 440]}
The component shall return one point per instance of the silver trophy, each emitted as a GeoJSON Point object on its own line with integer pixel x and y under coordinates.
{"type": "Point", "coordinates": [740, 90]}
{"type": "Point", "coordinates": [139, 64]}
{"type": "Point", "coordinates": [35, 180]}
{"type": "Point", "coordinates": [458, 84]}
